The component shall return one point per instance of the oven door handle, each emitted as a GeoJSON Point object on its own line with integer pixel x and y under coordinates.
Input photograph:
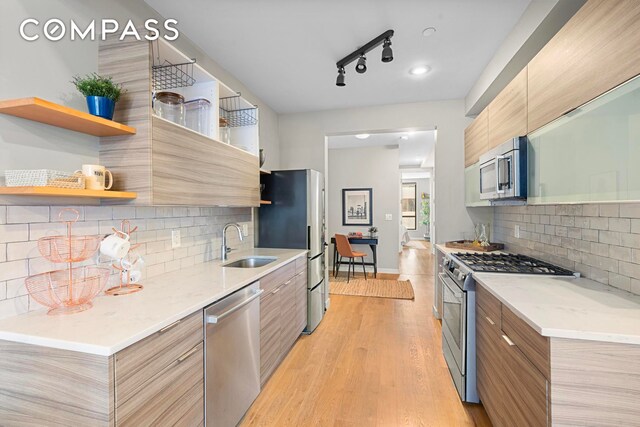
{"type": "Point", "coordinates": [498, 190]}
{"type": "Point", "coordinates": [444, 278]}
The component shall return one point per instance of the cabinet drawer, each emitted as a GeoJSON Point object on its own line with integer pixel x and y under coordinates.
{"type": "Point", "coordinates": [526, 386]}
{"type": "Point", "coordinates": [270, 334]}
{"type": "Point", "coordinates": [534, 346]}
{"type": "Point", "coordinates": [138, 363]}
{"type": "Point", "coordinates": [301, 301]}
{"type": "Point", "coordinates": [301, 264]}
{"type": "Point", "coordinates": [175, 396]}
{"type": "Point", "coordinates": [489, 304]}
{"type": "Point", "coordinates": [289, 323]}
{"type": "Point", "coordinates": [278, 277]}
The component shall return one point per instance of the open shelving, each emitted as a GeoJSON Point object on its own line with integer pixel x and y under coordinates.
{"type": "Point", "coordinates": [40, 110]}
{"type": "Point", "coordinates": [66, 192]}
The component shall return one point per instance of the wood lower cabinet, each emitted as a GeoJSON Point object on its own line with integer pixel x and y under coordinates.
{"type": "Point", "coordinates": [281, 308]}
{"type": "Point", "coordinates": [597, 49]}
{"type": "Point", "coordinates": [161, 378]}
{"type": "Point", "coordinates": [476, 137]}
{"type": "Point", "coordinates": [513, 391]}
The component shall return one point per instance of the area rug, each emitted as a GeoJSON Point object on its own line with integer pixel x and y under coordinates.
{"type": "Point", "coordinates": [381, 288]}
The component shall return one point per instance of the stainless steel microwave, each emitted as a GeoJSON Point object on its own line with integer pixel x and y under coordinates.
{"type": "Point", "coordinates": [503, 171]}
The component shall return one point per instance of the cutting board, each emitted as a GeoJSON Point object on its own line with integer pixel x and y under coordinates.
{"type": "Point", "coordinates": [468, 245]}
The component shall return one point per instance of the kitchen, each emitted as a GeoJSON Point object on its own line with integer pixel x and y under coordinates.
{"type": "Point", "coordinates": [156, 349]}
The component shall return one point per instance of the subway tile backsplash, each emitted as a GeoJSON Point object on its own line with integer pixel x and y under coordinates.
{"type": "Point", "coordinates": [600, 241]}
{"type": "Point", "coordinates": [22, 226]}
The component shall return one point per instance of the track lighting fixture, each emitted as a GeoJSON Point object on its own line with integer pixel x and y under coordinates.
{"type": "Point", "coordinates": [387, 54]}
{"type": "Point", "coordinates": [361, 66]}
{"type": "Point", "coordinates": [359, 54]}
{"type": "Point", "coordinates": [340, 79]}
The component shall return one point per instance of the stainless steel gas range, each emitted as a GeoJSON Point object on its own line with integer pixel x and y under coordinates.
{"type": "Point", "coordinates": [459, 307]}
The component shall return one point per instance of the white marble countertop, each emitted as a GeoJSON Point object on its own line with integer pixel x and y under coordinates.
{"type": "Point", "coordinates": [575, 308]}
{"type": "Point", "coordinates": [117, 322]}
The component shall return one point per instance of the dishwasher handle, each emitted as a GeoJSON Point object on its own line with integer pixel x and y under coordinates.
{"type": "Point", "coordinates": [216, 319]}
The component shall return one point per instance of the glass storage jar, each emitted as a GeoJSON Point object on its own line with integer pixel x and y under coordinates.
{"type": "Point", "coordinates": [225, 131]}
{"type": "Point", "coordinates": [170, 106]}
{"type": "Point", "coordinates": [198, 115]}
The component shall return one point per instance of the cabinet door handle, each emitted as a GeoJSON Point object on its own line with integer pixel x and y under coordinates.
{"type": "Point", "coordinates": [187, 354]}
{"type": "Point", "coordinates": [166, 328]}
{"type": "Point", "coordinates": [489, 320]}
{"type": "Point", "coordinates": [286, 283]}
{"type": "Point", "coordinates": [508, 340]}
{"type": "Point", "coordinates": [275, 291]}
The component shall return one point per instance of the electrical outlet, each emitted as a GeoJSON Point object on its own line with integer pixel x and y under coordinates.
{"type": "Point", "coordinates": [175, 239]}
{"type": "Point", "coordinates": [388, 217]}
{"type": "Point", "coordinates": [516, 232]}
{"type": "Point", "coordinates": [245, 230]}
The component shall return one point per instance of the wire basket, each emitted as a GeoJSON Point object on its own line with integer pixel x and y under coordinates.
{"type": "Point", "coordinates": [172, 76]}
{"type": "Point", "coordinates": [43, 178]}
{"type": "Point", "coordinates": [68, 248]}
{"type": "Point", "coordinates": [236, 116]}
{"type": "Point", "coordinates": [67, 291]}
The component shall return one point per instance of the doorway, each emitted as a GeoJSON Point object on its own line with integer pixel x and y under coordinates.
{"type": "Point", "coordinates": [379, 164]}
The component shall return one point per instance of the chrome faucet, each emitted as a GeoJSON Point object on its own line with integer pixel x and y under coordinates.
{"type": "Point", "coordinates": [224, 250]}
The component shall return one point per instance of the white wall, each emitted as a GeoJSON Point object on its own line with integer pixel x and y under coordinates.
{"type": "Point", "coordinates": [423, 185]}
{"type": "Point", "coordinates": [302, 146]}
{"type": "Point", "coordinates": [44, 69]}
{"type": "Point", "coordinates": [376, 168]}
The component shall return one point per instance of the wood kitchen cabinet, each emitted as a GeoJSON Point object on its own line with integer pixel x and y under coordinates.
{"type": "Point", "coordinates": [165, 163]}
{"type": "Point", "coordinates": [476, 138]}
{"type": "Point", "coordinates": [281, 308]}
{"type": "Point", "coordinates": [596, 50]}
{"type": "Point", "coordinates": [512, 389]}
{"type": "Point", "coordinates": [507, 113]}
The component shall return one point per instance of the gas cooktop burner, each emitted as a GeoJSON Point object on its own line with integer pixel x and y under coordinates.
{"type": "Point", "coordinates": [509, 263]}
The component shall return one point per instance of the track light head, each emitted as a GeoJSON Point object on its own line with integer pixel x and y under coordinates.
{"type": "Point", "coordinates": [387, 53]}
{"type": "Point", "coordinates": [361, 66]}
{"type": "Point", "coordinates": [340, 79]}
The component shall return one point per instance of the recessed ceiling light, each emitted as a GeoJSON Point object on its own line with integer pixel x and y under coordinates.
{"type": "Point", "coordinates": [429, 31]}
{"type": "Point", "coordinates": [362, 136]}
{"type": "Point", "coordinates": [404, 137]}
{"type": "Point", "coordinates": [420, 70]}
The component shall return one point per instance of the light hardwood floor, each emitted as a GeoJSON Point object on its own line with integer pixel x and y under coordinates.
{"type": "Point", "coordinates": [371, 362]}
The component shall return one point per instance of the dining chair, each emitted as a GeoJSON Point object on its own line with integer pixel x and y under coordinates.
{"type": "Point", "coordinates": [345, 251]}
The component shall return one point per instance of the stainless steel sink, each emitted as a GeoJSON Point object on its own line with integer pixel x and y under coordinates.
{"type": "Point", "coordinates": [251, 262]}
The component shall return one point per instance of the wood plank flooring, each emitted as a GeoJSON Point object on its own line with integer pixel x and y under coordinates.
{"type": "Point", "coordinates": [371, 362]}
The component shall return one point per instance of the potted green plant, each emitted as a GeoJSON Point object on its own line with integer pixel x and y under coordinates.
{"type": "Point", "coordinates": [101, 93]}
{"type": "Point", "coordinates": [426, 214]}
{"type": "Point", "coordinates": [373, 231]}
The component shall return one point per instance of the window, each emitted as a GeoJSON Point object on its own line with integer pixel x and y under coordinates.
{"type": "Point", "coordinates": [409, 219]}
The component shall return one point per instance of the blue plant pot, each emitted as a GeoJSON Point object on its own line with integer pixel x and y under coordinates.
{"type": "Point", "coordinates": [101, 106]}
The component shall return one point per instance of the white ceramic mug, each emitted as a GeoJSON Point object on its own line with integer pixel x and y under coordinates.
{"type": "Point", "coordinates": [95, 177]}
{"type": "Point", "coordinates": [116, 245]}
{"type": "Point", "coordinates": [134, 276]}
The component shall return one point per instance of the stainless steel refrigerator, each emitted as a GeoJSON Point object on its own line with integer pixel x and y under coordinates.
{"type": "Point", "coordinates": [295, 220]}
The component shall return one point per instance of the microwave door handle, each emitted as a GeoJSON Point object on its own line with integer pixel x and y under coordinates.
{"type": "Point", "coordinates": [498, 183]}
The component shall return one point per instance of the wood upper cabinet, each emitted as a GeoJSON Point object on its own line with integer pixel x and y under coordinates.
{"type": "Point", "coordinates": [596, 50]}
{"type": "Point", "coordinates": [507, 113]}
{"type": "Point", "coordinates": [167, 164]}
{"type": "Point", "coordinates": [476, 138]}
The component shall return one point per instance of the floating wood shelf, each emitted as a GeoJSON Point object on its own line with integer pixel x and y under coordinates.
{"type": "Point", "coordinates": [65, 192]}
{"type": "Point", "coordinates": [42, 111]}
{"type": "Point", "coordinates": [265, 172]}
{"type": "Point", "coordinates": [265, 202]}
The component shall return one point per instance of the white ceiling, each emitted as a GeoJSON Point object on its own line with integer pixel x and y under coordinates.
{"type": "Point", "coordinates": [285, 51]}
{"type": "Point", "coordinates": [417, 151]}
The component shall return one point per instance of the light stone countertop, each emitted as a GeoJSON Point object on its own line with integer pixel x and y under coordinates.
{"type": "Point", "coordinates": [115, 323]}
{"type": "Point", "coordinates": [575, 308]}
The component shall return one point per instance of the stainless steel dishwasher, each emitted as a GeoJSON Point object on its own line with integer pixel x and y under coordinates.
{"type": "Point", "coordinates": [232, 356]}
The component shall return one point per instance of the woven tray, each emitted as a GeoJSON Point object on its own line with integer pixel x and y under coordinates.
{"type": "Point", "coordinates": [43, 178]}
{"type": "Point", "coordinates": [470, 246]}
